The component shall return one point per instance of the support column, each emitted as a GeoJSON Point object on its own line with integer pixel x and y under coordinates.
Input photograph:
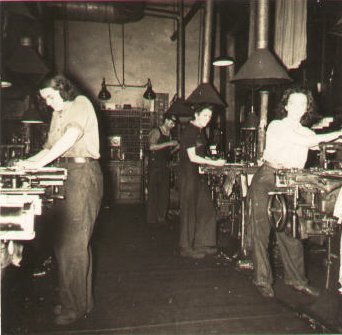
{"type": "Point", "coordinates": [263, 123]}
{"type": "Point", "coordinates": [262, 42]}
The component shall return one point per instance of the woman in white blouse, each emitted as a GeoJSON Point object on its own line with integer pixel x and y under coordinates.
{"type": "Point", "coordinates": [287, 144]}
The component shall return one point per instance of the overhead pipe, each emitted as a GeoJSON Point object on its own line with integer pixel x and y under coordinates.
{"type": "Point", "coordinates": [261, 69]}
{"type": "Point", "coordinates": [159, 10]}
{"type": "Point", "coordinates": [262, 43]}
{"type": "Point", "coordinates": [130, 12]}
{"type": "Point", "coordinates": [252, 21]}
{"type": "Point", "coordinates": [208, 29]}
{"type": "Point", "coordinates": [188, 17]}
{"type": "Point", "coordinates": [161, 16]}
{"type": "Point", "coordinates": [179, 17]}
{"type": "Point", "coordinates": [106, 12]}
{"type": "Point", "coordinates": [262, 24]}
{"type": "Point", "coordinates": [180, 33]}
{"type": "Point", "coordinates": [205, 91]}
{"type": "Point", "coordinates": [181, 53]}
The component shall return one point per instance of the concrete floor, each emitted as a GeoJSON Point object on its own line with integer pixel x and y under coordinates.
{"type": "Point", "coordinates": [142, 286]}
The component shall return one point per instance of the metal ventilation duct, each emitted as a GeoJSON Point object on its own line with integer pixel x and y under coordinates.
{"type": "Point", "coordinates": [206, 93]}
{"type": "Point", "coordinates": [104, 12]}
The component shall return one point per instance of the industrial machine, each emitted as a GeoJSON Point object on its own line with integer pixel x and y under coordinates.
{"type": "Point", "coordinates": [22, 194]}
{"type": "Point", "coordinates": [303, 201]}
{"type": "Point", "coordinates": [301, 205]}
{"type": "Point", "coordinates": [229, 185]}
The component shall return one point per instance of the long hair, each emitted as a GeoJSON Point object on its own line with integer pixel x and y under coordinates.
{"type": "Point", "coordinates": [59, 82]}
{"type": "Point", "coordinates": [310, 117]}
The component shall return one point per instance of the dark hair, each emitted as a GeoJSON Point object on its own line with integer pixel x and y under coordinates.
{"type": "Point", "coordinates": [59, 82]}
{"type": "Point", "coordinates": [169, 116]}
{"type": "Point", "coordinates": [310, 117]}
{"type": "Point", "coordinates": [200, 107]}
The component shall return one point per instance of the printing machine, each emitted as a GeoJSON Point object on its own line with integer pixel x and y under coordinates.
{"type": "Point", "coordinates": [22, 195]}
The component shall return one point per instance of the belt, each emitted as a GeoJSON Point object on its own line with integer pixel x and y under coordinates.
{"type": "Point", "coordinates": [78, 160]}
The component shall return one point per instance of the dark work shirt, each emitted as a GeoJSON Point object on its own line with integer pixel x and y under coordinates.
{"type": "Point", "coordinates": [192, 136]}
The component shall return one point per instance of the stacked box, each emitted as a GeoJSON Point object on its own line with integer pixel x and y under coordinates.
{"type": "Point", "coordinates": [161, 105]}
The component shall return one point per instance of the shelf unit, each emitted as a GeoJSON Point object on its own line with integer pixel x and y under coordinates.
{"type": "Point", "coordinates": [133, 127]}
{"type": "Point", "coordinates": [126, 173]}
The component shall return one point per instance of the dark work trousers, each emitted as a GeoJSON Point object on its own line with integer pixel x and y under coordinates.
{"type": "Point", "coordinates": [158, 192]}
{"type": "Point", "coordinates": [291, 249]}
{"type": "Point", "coordinates": [76, 216]}
{"type": "Point", "coordinates": [197, 211]}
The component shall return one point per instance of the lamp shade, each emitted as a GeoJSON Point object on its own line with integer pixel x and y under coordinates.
{"type": "Point", "coordinates": [149, 93]}
{"type": "Point", "coordinates": [31, 114]}
{"type": "Point", "coordinates": [104, 93]}
{"type": "Point", "coordinates": [5, 82]}
{"type": "Point", "coordinates": [180, 108]}
{"type": "Point", "coordinates": [252, 121]}
{"type": "Point", "coordinates": [205, 93]}
{"type": "Point", "coordinates": [261, 68]}
{"type": "Point", "coordinates": [223, 61]}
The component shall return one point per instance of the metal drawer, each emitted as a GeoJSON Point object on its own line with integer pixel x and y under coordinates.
{"type": "Point", "coordinates": [129, 187]}
{"type": "Point", "coordinates": [130, 179]}
{"type": "Point", "coordinates": [129, 196]}
{"type": "Point", "coordinates": [130, 170]}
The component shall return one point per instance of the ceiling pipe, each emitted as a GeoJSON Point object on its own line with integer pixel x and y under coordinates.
{"type": "Point", "coordinates": [179, 17]}
{"type": "Point", "coordinates": [161, 16]}
{"type": "Point", "coordinates": [252, 28]}
{"type": "Point", "coordinates": [160, 11]}
{"type": "Point", "coordinates": [181, 53]}
{"type": "Point", "coordinates": [104, 12]}
{"type": "Point", "coordinates": [262, 43]}
{"type": "Point", "coordinates": [262, 24]}
{"type": "Point", "coordinates": [206, 93]}
{"type": "Point", "coordinates": [261, 69]}
{"type": "Point", "coordinates": [130, 12]}
{"type": "Point", "coordinates": [188, 17]}
{"type": "Point", "coordinates": [208, 29]}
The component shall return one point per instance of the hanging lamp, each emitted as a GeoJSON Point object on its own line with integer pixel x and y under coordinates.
{"type": "Point", "coordinates": [223, 61]}
{"type": "Point", "coordinates": [104, 93]}
{"type": "Point", "coordinates": [31, 114]}
{"type": "Point", "coordinates": [205, 93]}
{"type": "Point", "coordinates": [149, 93]}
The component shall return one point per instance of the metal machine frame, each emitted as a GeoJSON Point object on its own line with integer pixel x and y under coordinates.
{"type": "Point", "coordinates": [303, 201]}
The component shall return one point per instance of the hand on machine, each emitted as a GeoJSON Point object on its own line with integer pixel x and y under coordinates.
{"type": "Point", "coordinates": [27, 165]}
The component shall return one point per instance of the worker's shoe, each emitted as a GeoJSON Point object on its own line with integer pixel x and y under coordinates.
{"type": "Point", "coordinates": [265, 291]}
{"type": "Point", "coordinates": [306, 289]}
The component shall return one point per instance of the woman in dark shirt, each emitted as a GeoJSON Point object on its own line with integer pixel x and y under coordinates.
{"type": "Point", "coordinates": [197, 212]}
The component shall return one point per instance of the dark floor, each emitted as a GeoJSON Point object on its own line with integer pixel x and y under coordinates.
{"type": "Point", "coordinates": [142, 286]}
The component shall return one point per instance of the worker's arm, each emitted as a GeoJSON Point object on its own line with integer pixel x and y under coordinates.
{"type": "Point", "coordinates": [194, 158]}
{"type": "Point", "coordinates": [154, 138]}
{"type": "Point", "coordinates": [46, 156]}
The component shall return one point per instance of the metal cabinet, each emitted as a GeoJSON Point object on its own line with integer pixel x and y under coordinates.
{"type": "Point", "coordinates": [126, 179]}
